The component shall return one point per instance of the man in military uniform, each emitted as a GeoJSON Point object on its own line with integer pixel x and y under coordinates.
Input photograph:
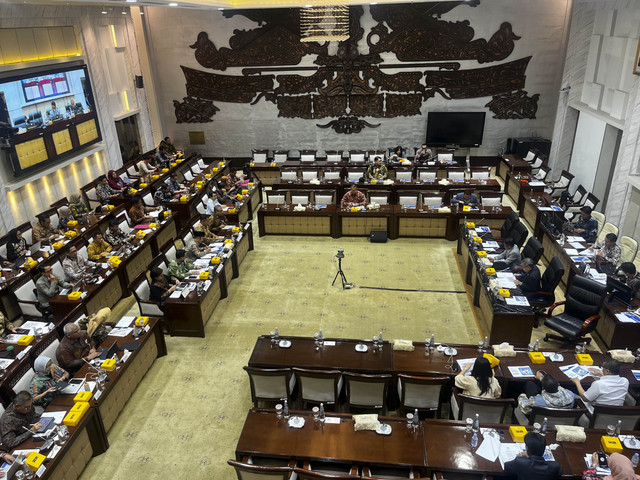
{"type": "Point", "coordinates": [377, 170]}
{"type": "Point", "coordinates": [115, 236]}
{"type": "Point", "coordinates": [179, 267]}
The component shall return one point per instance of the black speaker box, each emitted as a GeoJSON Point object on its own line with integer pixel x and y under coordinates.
{"type": "Point", "coordinates": [378, 237]}
{"type": "Point", "coordinates": [138, 81]}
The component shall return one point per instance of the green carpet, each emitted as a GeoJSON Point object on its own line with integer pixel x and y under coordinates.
{"type": "Point", "coordinates": [185, 417]}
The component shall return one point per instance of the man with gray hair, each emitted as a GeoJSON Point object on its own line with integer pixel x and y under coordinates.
{"type": "Point", "coordinates": [75, 347]}
{"type": "Point", "coordinates": [529, 279]}
{"type": "Point", "coordinates": [18, 416]}
{"type": "Point", "coordinates": [610, 389]}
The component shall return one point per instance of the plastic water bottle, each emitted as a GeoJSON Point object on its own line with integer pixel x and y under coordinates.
{"type": "Point", "coordinates": [536, 347]}
{"type": "Point", "coordinates": [635, 459]}
{"type": "Point", "coordinates": [286, 409]}
{"type": "Point", "coordinates": [618, 428]}
{"type": "Point", "coordinates": [474, 440]}
{"type": "Point", "coordinates": [277, 335]}
{"type": "Point", "coordinates": [543, 430]}
{"type": "Point", "coordinates": [321, 415]}
{"type": "Point", "coordinates": [432, 343]}
{"type": "Point", "coordinates": [380, 341]}
{"type": "Point", "coordinates": [416, 419]}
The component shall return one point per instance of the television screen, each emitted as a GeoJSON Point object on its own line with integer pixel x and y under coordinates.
{"type": "Point", "coordinates": [48, 113]}
{"type": "Point", "coordinates": [463, 129]}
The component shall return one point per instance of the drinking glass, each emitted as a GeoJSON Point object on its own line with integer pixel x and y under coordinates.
{"type": "Point", "coordinates": [537, 427]}
{"type": "Point", "coordinates": [578, 349]}
{"type": "Point", "coordinates": [532, 347]}
{"type": "Point", "coordinates": [480, 345]}
{"type": "Point", "coordinates": [469, 425]}
{"type": "Point", "coordinates": [316, 413]}
{"type": "Point", "coordinates": [409, 420]}
{"type": "Point", "coordinates": [279, 411]}
{"type": "Point", "coordinates": [611, 430]}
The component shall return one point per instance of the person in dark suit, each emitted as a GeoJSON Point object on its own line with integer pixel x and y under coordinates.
{"type": "Point", "coordinates": [465, 198]}
{"type": "Point", "coordinates": [529, 279]}
{"type": "Point", "coordinates": [531, 465]}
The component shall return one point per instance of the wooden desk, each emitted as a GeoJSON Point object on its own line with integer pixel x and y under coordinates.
{"type": "Point", "coordinates": [512, 163]}
{"type": "Point", "coordinates": [529, 209]}
{"type": "Point", "coordinates": [613, 332]}
{"type": "Point", "coordinates": [343, 356]}
{"type": "Point", "coordinates": [283, 220]}
{"type": "Point", "coordinates": [264, 434]}
{"type": "Point", "coordinates": [436, 363]}
{"type": "Point", "coordinates": [362, 223]}
{"type": "Point", "coordinates": [167, 231]}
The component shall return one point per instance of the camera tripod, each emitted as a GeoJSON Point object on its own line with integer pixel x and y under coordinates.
{"type": "Point", "coordinates": [345, 284]}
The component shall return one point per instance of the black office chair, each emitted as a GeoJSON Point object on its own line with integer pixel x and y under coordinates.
{"type": "Point", "coordinates": [20, 122]}
{"type": "Point", "coordinates": [519, 233]}
{"type": "Point", "coordinates": [533, 249]}
{"type": "Point", "coordinates": [506, 227]}
{"type": "Point", "coordinates": [551, 277]}
{"type": "Point", "coordinates": [581, 311]}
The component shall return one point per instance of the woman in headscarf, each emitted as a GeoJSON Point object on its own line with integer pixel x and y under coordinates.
{"type": "Point", "coordinates": [16, 245]}
{"type": "Point", "coordinates": [65, 217]}
{"type": "Point", "coordinates": [115, 181]}
{"type": "Point", "coordinates": [95, 325]}
{"type": "Point", "coordinates": [77, 206]}
{"type": "Point", "coordinates": [620, 465]}
{"type": "Point", "coordinates": [42, 384]}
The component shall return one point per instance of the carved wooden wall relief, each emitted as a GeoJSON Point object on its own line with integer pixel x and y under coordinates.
{"type": "Point", "coordinates": [350, 84]}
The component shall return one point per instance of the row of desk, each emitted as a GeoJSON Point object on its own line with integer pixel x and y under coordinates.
{"type": "Point", "coordinates": [396, 220]}
{"type": "Point", "coordinates": [436, 446]}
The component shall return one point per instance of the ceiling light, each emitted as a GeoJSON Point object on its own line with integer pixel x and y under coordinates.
{"type": "Point", "coordinates": [132, 1]}
{"type": "Point", "coordinates": [141, 13]}
{"type": "Point", "coordinates": [104, 10]}
{"type": "Point", "coordinates": [123, 11]}
{"type": "Point", "coordinates": [308, 6]}
{"type": "Point", "coordinates": [173, 4]}
{"type": "Point", "coordinates": [220, 8]}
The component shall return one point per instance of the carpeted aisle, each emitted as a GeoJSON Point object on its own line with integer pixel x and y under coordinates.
{"type": "Point", "coordinates": [184, 419]}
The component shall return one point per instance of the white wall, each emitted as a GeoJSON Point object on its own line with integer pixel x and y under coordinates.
{"type": "Point", "coordinates": [239, 127]}
{"type": "Point", "coordinates": [586, 151]}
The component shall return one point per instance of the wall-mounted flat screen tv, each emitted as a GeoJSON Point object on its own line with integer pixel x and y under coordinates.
{"type": "Point", "coordinates": [46, 115]}
{"type": "Point", "coordinates": [463, 129]}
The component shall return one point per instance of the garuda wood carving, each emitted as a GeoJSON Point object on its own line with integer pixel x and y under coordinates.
{"type": "Point", "coordinates": [194, 110]}
{"type": "Point", "coordinates": [350, 84]}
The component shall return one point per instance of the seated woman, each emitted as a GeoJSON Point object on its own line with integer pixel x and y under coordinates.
{"type": "Point", "coordinates": [397, 154]}
{"type": "Point", "coordinates": [114, 180]}
{"type": "Point", "coordinates": [16, 245]}
{"type": "Point", "coordinates": [6, 326]}
{"type": "Point", "coordinates": [481, 382]}
{"type": "Point", "coordinates": [65, 216]}
{"type": "Point", "coordinates": [42, 384]}
{"type": "Point", "coordinates": [77, 207]}
{"type": "Point", "coordinates": [96, 325]}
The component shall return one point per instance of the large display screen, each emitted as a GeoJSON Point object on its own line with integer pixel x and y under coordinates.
{"type": "Point", "coordinates": [464, 129]}
{"type": "Point", "coordinates": [46, 115]}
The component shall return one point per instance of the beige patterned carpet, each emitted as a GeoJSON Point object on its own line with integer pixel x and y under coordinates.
{"type": "Point", "coordinates": [186, 415]}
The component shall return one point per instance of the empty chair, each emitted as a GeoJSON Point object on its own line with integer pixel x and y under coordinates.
{"type": "Point", "coordinates": [606, 229]}
{"type": "Point", "coordinates": [427, 175]}
{"type": "Point", "coordinates": [578, 196]}
{"type": "Point", "coordinates": [434, 199]}
{"type": "Point", "coordinates": [319, 386]}
{"type": "Point", "coordinates": [334, 155]}
{"type": "Point", "coordinates": [404, 175]}
{"type": "Point", "coordinates": [323, 198]}
{"type": "Point", "coordinates": [367, 391]}
{"type": "Point", "coordinates": [533, 249]}
{"type": "Point", "coordinates": [276, 197]}
{"type": "Point", "coordinates": [188, 176]}
{"type": "Point", "coordinates": [590, 200]}
{"type": "Point", "coordinates": [445, 156]}
{"type": "Point", "coordinates": [354, 176]}
{"type": "Point", "coordinates": [27, 300]}
{"type": "Point", "coordinates": [629, 249]}
{"type": "Point", "coordinates": [381, 198]}
{"type": "Point", "coordinates": [584, 298]}
{"type": "Point", "coordinates": [300, 198]}
{"type": "Point", "coordinates": [423, 393]}
{"type": "Point", "coordinates": [249, 471]}
{"type": "Point", "coordinates": [148, 307]}
{"type": "Point", "coordinates": [531, 155]}
{"type": "Point", "coordinates": [408, 199]}
{"type": "Point", "coordinates": [195, 168]}
{"type": "Point", "coordinates": [542, 173]}
{"type": "Point", "coordinates": [288, 175]}
{"type": "Point", "coordinates": [480, 174]}
{"type": "Point", "coordinates": [456, 175]}
{"type": "Point", "coordinates": [491, 410]}
{"type": "Point", "coordinates": [332, 174]}
{"type": "Point", "coordinates": [356, 156]}
{"type": "Point", "coordinates": [259, 156]}
{"type": "Point", "coordinates": [280, 156]}
{"type": "Point", "coordinates": [536, 164]}
{"type": "Point", "coordinates": [307, 155]}
{"type": "Point", "coordinates": [604, 415]}
{"type": "Point", "coordinates": [554, 416]}
{"type": "Point", "coordinates": [309, 175]}
{"type": "Point", "coordinates": [270, 384]}
{"type": "Point", "coordinates": [20, 122]}
{"type": "Point", "coordinates": [490, 199]}
{"type": "Point", "coordinates": [562, 185]}
{"type": "Point", "coordinates": [519, 233]}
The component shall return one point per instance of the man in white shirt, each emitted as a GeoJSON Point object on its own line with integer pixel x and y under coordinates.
{"type": "Point", "coordinates": [212, 203]}
{"type": "Point", "coordinates": [74, 265]}
{"type": "Point", "coordinates": [610, 389]}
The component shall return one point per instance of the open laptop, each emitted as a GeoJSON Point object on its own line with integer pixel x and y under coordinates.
{"type": "Point", "coordinates": [109, 352]}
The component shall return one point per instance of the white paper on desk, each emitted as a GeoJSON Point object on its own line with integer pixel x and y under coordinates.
{"type": "Point", "coordinates": [509, 451]}
{"type": "Point", "coordinates": [12, 338]}
{"type": "Point", "coordinates": [575, 238]}
{"type": "Point", "coordinates": [571, 251]}
{"type": "Point", "coordinates": [23, 352]}
{"type": "Point", "coordinates": [201, 262]}
{"type": "Point", "coordinates": [517, 301]}
{"type": "Point", "coordinates": [120, 332]}
{"type": "Point", "coordinates": [489, 448]}
{"type": "Point", "coordinates": [506, 279]}
{"type": "Point", "coordinates": [218, 244]}
{"type": "Point", "coordinates": [31, 325]}
{"type": "Point", "coordinates": [329, 343]}
{"type": "Point", "coordinates": [628, 317]}
{"type": "Point", "coordinates": [125, 322]}
{"type": "Point", "coordinates": [519, 372]}
{"type": "Point", "coordinates": [490, 244]}
{"type": "Point", "coordinates": [334, 420]}
{"type": "Point", "coordinates": [16, 453]}
{"type": "Point", "coordinates": [598, 277]}
{"type": "Point", "coordinates": [207, 284]}
{"type": "Point", "coordinates": [483, 229]}
{"type": "Point", "coordinates": [57, 416]}
{"type": "Point", "coordinates": [5, 362]}
{"type": "Point", "coordinates": [537, 183]}
{"type": "Point", "coordinates": [176, 294]}
{"type": "Point", "coordinates": [463, 362]}
{"type": "Point", "coordinates": [154, 213]}
{"type": "Point", "coordinates": [579, 371]}
{"type": "Point", "coordinates": [576, 245]}
{"type": "Point", "coordinates": [54, 451]}
{"type": "Point", "coordinates": [588, 253]}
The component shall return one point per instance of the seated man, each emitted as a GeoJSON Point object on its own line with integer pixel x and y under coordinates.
{"type": "Point", "coordinates": [218, 220]}
{"type": "Point", "coordinates": [179, 267]}
{"type": "Point", "coordinates": [465, 198]}
{"type": "Point", "coordinates": [212, 203]}
{"type": "Point", "coordinates": [6, 327]}
{"type": "Point", "coordinates": [104, 192]}
{"type": "Point", "coordinates": [544, 392]}
{"type": "Point", "coordinates": [169, 148]}
{"type": "Point", "coordinates": [529, 280]}
{"type": "Point", "coordinates": [48, 286]}
{"type": "Point", "coordinates": [377, 171]}
{"type": "Point", "coordinates": [353, 198]}
{"type": "Point", "coordinates": [114, 234]}
{"type": "Point", "coordinates": [162, 159]}
{"type": "Point", "coordinates": [197, 248]}
{"type": "Point", "coordinates": [586, 226]}
{"type": "Point", "coordinates": [531, 465]}
{"type": "Point", "coordinates": [510, 258]}
{"type": "Point", "coordinates": [210, 232]}
{"type": "Point", "coordinates": [75, 347]}
{"type": "Point", "coordinates": [631, 276]}
{"type": "Point", "coordinates": [74, 265]}
{"type": "Point", "coordinates": [145, 168]}
{"type": "Point", "coordinates": [75, 108]}
{"type": "Point", "coordinates": [175, 188]}
{"type": "Point", "coordinates": [424, 154]}
{"type": "Point", "coordinates": [162, 195]}
{"type": "Point", "coordinates": [138, 211]}
{"type": "Point", "coordinates": [609, 389]}
{"type": "Point", "coordinates": [43, 231]}
{"type": "Point", "coordinates": [98, 249]}
{"type": "Point", "coordinates": [161, 286]}
{"type": "Point", "coordinates": [608, 251]}
{"type": "Point", "coordinates": [18, 416]}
